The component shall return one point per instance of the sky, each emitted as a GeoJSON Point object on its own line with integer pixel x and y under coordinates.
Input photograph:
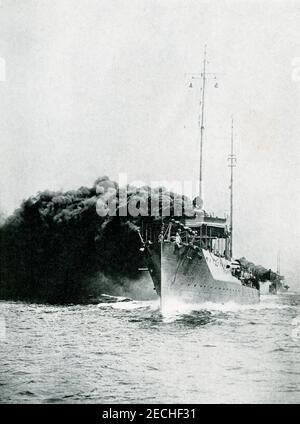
{"type": "Point", "coordinates": [92, 88]}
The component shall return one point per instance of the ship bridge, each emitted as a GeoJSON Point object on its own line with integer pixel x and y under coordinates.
{"type": "Point", "coordinates": [212, 230]}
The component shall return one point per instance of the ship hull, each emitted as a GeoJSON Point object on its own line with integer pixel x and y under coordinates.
{"type": "Point", "coordinates": [198, 276]}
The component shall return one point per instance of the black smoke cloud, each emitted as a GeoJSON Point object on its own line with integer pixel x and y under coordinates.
{"type": "Point", "coordinates": [56, 248]}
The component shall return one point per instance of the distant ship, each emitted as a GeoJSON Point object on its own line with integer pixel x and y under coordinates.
{"type": "Point", "coordinates": [190, 259]}
{"type": "Point", "coordinates": [277, 284]}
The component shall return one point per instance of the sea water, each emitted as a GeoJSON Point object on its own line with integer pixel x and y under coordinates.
{"type": "Point", "coordinates": [128, 351]}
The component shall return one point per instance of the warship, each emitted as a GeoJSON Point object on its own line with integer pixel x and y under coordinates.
{"type": "Point", "coordinates": [191, 258]}
{"type": "Point", "coordinates": [277, 284]}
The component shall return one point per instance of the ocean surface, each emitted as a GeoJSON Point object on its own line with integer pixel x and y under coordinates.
{"type": "Point", "coordinates": [127, 351]}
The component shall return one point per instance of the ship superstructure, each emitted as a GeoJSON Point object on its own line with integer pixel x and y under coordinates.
{"type": "Point", "coordinates": [191, 258]}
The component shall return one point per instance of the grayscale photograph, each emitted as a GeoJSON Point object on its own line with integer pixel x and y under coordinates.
{"type": "Point", "coordinates": [149, 204]}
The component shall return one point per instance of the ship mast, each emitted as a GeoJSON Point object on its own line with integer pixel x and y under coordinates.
{"type": "Point", "coordinates": [201, 125]}
{"type": "Point", "coordinates": [278, 262]}
{"type": "Point", "coordinates": [232, 164]}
